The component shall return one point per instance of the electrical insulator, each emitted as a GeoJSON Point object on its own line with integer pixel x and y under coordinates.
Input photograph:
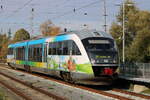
{"type": "Point", "coordinates": [32, 9]}
{"type": "Point", "coordinates": [1, 7]}
{"type": "Point", "coordinates": [74, 10]}
{"type": "Point", "coordinates": [85, 13]}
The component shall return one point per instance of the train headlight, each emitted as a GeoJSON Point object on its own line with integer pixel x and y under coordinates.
{"type": "Point", "coordinates": [114, 61]}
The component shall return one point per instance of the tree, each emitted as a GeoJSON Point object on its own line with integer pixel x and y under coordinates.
{"type": "Point", "coordinates": [49, 29]}
{"type": "Point", "coordinates": [137, 30]}
{"type": "Point", "coordinates": [21, 35]}
{"type": "Point", "coordinates": [139, 50]}
{"type": "Point", "coordinates": [130, 31]}
{"type": "Point", "coordinates": [4, 40]}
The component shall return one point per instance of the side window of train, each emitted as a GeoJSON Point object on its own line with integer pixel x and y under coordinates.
{"type": "Point", "coordinates": [67, 47]}
{"type": "Point", "coordinates": [50, 49]}
{"type": "Point", "coordinates": [59, 48]}
{"type": "Point", "coordinates": [30, 53]}
{"type": "Point", "coordinates": [70, 47]}
{"type": "Point", "coordinates": [54, 48]}
{"type": "Point", "coordinates": [35, 53]}
{"type": "Point", "coordinates": [20, 53]}
{"type": "Point", "coordinates": [45, 52]}
{"type": "Point", "coordinates": [10, 51]}
{"type": "Point", "coordinates": [73, 48]}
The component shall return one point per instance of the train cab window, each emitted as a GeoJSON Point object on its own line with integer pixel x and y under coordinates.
{"type": "Point", "coordinates": [10, 51]}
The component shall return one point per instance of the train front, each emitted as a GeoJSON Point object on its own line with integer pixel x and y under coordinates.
{"type": "Point", "coordinates": [103, 55]}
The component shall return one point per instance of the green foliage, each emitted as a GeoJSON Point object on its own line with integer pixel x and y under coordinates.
{"type": "Point", "coordinates": [116, 31]}
{"type": "Point", "coordinates": [129, 8]}
{"type": "Point", "coordinates": [139, 50]}
{"type": "Point", "coordinates": [146, 91]}
{"type": "Point", "coordinates": [21, 35]}
{"type": "Point", "coordinates": [137, 33]}
{"type": "Point", "coordinates": [4, 40]}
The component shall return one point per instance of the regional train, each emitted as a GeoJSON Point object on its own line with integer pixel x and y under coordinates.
{"type": "Point", "coordinates": [85, 57]}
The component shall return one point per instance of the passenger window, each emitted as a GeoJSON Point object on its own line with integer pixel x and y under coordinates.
{"type": "Point", "coordinates": [20, 53]}
{"type": "Point", "coordinates": [75, 50]}
{"type": "Point", "coordinates": [67, 47]}
{"type": "Point", "coordinates": [10, 51]}
{"type": "Point", "coordinates": [50, 49]}
{"type": "Point", "coordinates": [35, 53]}
{"type": "Point", "coordinates": [59, 48]}
{"type": "Point", "coordinates": [54, 51]}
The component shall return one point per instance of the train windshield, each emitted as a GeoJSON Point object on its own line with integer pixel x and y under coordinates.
{"type": "Point", "coordinates": [101, 51]}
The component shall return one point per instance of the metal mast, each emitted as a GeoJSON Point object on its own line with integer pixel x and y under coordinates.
{"type": "Point", "coordinates": [1, 7]}
{"type": "Point", "coordinates": [123, 30]}
{"type": "Point", "coordinates": [32, 18]}
{"type": "Point", "coordinates": [105, 15]}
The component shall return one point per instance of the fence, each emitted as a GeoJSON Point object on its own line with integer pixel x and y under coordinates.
{"type": "Point", "coordinates": [135, 70]}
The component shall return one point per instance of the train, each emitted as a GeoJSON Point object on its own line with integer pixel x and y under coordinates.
{"type": "Point", "coordinates": [85, 57]}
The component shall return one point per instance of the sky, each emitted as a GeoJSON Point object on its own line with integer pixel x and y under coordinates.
{"type": "Point", "coordinates": [16, 14]}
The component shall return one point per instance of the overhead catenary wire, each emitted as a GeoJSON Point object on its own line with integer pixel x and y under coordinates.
{"type": "Point", "coordinates": [20, 8]}
{"type": "Point", "coordinates": [56, 14]}
{"type": "Point", "coordinates": [76, 9]}
{"type": "Point", "coordinates": [65, 13]}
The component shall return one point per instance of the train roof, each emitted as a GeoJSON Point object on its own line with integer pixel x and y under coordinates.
{"type": "Point", "coordinates": [91, 33]}
{"type": "Point", "coordinates": [81, 34]}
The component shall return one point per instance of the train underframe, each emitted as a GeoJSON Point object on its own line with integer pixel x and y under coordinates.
{"type": "Point", "coordinates": [101, 76]}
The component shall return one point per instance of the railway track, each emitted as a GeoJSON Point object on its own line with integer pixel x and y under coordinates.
{"type": "Point", "coordinates": [114, 93]}
{"type": "Point", "coordinates": [47, 96]}
{"type": "Point", "coordinates": [15, 91]}
{"type": "Point", "coordinates": [132, 93]}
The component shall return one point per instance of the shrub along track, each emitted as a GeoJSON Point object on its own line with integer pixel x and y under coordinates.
{"type": "Point", "coordinates": [101, 92]}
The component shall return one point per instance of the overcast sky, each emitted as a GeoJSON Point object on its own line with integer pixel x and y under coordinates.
{"type": "Point", "coordinates": [17, 14]}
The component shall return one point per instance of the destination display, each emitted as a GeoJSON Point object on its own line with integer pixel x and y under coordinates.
{"type": "Point", "coordinates": [98, 41]}
{"type": "Point", "coordinates": [99, 57]}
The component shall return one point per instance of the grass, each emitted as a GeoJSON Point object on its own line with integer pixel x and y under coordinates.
{"type": "Point", "coordinates": [1, 95]}
{"type": "Point", "coordinates": [50, 88]}
{"type": "Point", "coordinates": [146, 91]}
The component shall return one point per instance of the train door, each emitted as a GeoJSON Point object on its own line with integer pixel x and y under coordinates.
{"type": "Point", "coordinates": [45, 53]}
{"type": "Point", "coordinates": [14, 55]}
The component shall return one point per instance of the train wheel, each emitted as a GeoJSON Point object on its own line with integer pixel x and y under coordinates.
{"type": "Point", "coordinates": [66, 76]}
{"type": "Point", "coordinates": [27, 68]}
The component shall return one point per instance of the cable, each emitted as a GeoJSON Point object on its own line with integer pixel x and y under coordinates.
{"type": "Point", "coordinates": [69, 12]}
{"type": "Point", "coordinates": [27, 3]}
